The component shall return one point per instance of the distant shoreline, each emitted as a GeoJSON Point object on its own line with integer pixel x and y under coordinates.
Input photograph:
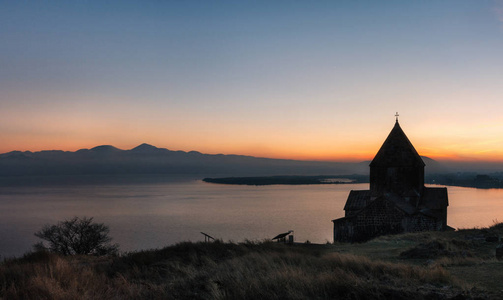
{"type": "Point", "coordinates": [467, 180]}
{"type": "Point", "coordinates": [290, 180]}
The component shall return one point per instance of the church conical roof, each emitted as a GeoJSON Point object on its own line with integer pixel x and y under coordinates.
{"type": "Point", "coordinates": [397, 151]}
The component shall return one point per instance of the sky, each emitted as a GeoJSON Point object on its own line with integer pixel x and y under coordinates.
{"type": "Point", "coordinates": [313, 80]}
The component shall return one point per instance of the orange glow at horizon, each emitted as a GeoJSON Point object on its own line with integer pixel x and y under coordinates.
{"type": "Point", "coordinates": [332, 153]}
{"type": "Point", "coordinates": [305, 137]}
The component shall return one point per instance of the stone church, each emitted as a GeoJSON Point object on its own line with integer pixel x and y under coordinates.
{"type": "Point", "coordinates": [397, 201]}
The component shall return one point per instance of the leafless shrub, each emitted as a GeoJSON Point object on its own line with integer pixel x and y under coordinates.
{"type": "Point", "coordinates": [77, 236]}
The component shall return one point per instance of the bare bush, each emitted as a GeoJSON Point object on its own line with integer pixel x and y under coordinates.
{"type": "Point", "coordinates": [77, 236]}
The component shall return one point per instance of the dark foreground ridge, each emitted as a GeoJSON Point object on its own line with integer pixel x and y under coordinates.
{"type": "Point", "coordinates": [428, 265]}
{"type": "Point", "coordinates": [291, 180]}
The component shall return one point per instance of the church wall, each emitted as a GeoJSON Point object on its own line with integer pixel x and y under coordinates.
{"type": "Point", "coordinates": [351, 212]}
{"type": "Point", "coordinates": [380, 217]}
{"type": "Point", "coordinates": [444, 217]}
{"type": "Point", "coordinates": [399, 180]}
{"type": "Point", "coordinates": [421, 222]}
{"type": "Point", "coordinates": [344, 230]}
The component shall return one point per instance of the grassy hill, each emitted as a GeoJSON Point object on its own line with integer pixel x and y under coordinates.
{"type": "Point", "coordinates": [427, 265]}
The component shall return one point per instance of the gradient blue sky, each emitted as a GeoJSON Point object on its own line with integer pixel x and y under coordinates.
{"type": "Point", "coordinates": [286, 79]}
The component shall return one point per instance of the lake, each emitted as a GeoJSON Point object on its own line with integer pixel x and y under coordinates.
{"type": "Point", "coordinates": [153, 215]}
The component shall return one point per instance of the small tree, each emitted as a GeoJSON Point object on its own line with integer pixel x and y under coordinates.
{"type": "Point", "coordinates": [77, 236]}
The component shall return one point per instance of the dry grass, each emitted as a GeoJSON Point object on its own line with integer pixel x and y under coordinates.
{"type": "Point", "coordinates": [439, 265]}
{"type": "Point", "coordinates": [223, 271]}
{"type": "Point", "coordinates": [50, 276]}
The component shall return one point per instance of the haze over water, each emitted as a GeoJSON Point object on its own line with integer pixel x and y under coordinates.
{"type": "Point", "coordinates": [144, 216]}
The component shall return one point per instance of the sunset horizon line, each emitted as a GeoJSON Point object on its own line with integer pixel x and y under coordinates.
{"type": "Point", "coordinates": [343, 157]}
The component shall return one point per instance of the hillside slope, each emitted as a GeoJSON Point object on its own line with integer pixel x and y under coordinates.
{"type": "Point", "coordinates": [428, 265]}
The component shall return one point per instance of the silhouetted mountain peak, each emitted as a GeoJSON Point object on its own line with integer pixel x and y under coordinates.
{"type": "Point", "coordinates": [105, 149]}
{"type": "Point", "coordinates": [426, 158]}
{"type": "Point", "coordinates": [17, 155]}
{"type": "Point", "coordinates": [145, 148]}
{"type": "Point", "coordinates": [433, 166]}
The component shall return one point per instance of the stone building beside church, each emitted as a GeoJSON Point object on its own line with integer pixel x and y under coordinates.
{"type": "Point", "coordinates": [397, 201]}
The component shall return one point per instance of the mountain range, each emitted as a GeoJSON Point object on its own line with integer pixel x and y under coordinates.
{"type": "Point", "coordinates": [148, 159]}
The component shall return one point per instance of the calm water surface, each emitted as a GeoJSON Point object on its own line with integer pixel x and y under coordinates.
{"type": "Point", "coordinates": [143, 216]}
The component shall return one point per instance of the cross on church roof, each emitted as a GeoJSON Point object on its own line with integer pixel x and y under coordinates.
{"type": "Point", "coordinates": [396, 115]}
